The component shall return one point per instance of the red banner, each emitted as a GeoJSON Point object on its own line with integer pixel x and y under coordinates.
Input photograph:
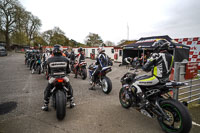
{"type": "Point", "coordinates": [191, 70]}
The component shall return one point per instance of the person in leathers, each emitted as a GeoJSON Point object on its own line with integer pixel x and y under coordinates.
{"type": "Point", "coordinates": [80, 58]}
{"type": "Point", "coordinates": [160, 63]}
{"type": "Point", "coordinates": [57, 65]}
{"type": "Point", "coordinates": [101, 61]}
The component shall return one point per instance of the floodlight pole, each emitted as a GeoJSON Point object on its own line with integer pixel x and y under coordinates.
{"type": "Point", "coordinates": [127, 32]}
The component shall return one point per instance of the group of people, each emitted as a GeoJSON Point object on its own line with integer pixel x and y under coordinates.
{"type": "Point", "coordinates": [160, 63]}
{"type": "Point", "coordinates": [57, 62]}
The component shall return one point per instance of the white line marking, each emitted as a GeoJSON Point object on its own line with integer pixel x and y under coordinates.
{"type": "Point", "coordinates": [196, 124]}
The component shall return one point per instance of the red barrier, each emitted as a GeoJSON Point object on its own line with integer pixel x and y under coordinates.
{"type": "Point", "coordinates": [116, 56]}
{"type": "Point", "coordinates": [191, 70]}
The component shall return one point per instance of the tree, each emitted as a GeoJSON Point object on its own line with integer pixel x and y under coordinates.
{"type": "Point", "coordinates": [58, 39]}
{"type": "Point", "coordinates": [19, 35]}
{"type": "Point", "coordinates": [93, 40]}
{"type": "Point", "coordinates": [19, 38]}
{"type": "Point", "coordinates": [32, 27]}
{"type": "Point", "coordinates": [39, 40]}
{"type": "Point", "coordinates": [7, 14]}
{"type": "Point", "coordinates": [55, 36]}
{"type": "Point", "coordinates": [109, 43]}
{"type": "Point", "coordinates": [47, 35]}
{"type": "Point", "coordinates": [2, 37]}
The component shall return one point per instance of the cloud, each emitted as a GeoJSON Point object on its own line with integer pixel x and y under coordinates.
{"type": "Point", "coordinates": [109, 18]}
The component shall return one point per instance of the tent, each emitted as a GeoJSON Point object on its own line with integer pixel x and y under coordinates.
{"type": "Point", "coordinates": [144, 45]}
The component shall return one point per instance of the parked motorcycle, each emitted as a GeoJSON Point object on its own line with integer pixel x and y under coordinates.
{"type": "Point", "coordinates": [102, 80]}
{"type": "Point", "coordinates": [172, 115]}
{"type": "Point", "coordinates": [59, 97]}
{"type": "Point", "coordinates": [82, 71]}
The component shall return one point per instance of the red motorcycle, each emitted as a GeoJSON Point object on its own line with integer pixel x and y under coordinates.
{"type": "Point", "coordinates": [82, 69]}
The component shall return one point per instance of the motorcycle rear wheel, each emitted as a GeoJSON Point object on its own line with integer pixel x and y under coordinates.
{"type": "Point", "coordinates": [84, 74]}
{"type": "Point", "coordinates": [38, 69]}
{"type": "Point", "coordinates": [60, 105]}
{"type": "Point", "coordinates": [179, 118]}
{"type": "Point", "coordinates": [106, 85]}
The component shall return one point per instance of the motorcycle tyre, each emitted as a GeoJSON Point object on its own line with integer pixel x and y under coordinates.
{"type": "Point", "coordinates": [184, 113]}
{"type": "Point", "coordinates": [60, 105]}
{"type": "Point", "coordinates": [109, 85]}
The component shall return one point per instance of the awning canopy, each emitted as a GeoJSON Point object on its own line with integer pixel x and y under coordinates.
{"type": "Point", "coordinates": [147, 42]}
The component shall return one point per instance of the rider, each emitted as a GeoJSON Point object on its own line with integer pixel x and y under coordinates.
{"type": "Point", "coordinates": [45, 56]}
{"type": "Point", "coordinates": [57, 64]}
{"type": "Point", "coordinates": [101, 61]}
{"type": "Point", "coordinates": [80, 58]}
{"type": "Point", "coordinates": [36, 58]}
{"type": "Point", "coordinates": [72, 56]}
{"type": "Point", "coordinates": [160, 63]}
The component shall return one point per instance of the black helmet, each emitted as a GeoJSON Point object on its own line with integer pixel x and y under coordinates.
{"type": "Point", "coordinates": [161, 45]}
{"type": "Point", "coordinates": [57, 49]}
{"type": "Point", "coordinates": [80, 49]}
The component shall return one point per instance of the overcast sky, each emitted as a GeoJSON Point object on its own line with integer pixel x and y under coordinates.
{"type": "Point", "coordinates": [110, 18]}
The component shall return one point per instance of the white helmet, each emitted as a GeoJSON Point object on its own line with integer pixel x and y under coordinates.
{"type": "Point", "coordinates": [100, 50]}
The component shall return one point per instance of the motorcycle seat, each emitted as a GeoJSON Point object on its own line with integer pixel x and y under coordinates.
{"type": "Point", "coordinates": [104, 68]}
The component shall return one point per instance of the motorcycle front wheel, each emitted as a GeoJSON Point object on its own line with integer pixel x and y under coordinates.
{"type": "Point", "coordinates": [125, 99]}
{"type": "Point", "coordinates": [179, 119]}
{"type": "Point", "coordinates": [106, 85]}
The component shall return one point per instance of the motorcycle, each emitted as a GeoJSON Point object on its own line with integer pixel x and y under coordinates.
{"type": "Point", "coordinates": [172, 115]}
{"type": "Point", "coordinates": [60, 96]}
{"type": "Point", "coordinates": [28, 62]}
{"type": "Point", "coordinates": [36, 66]}
{"type": "Point", "coordinates": [102, 80]}
{"type": "Point", "coordinates": [82, 71]}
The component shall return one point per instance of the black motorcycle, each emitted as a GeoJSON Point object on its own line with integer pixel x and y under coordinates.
{"type": "Point", "coordinates": [60, 97]}
{"type": "Point", "coordinates": [102, 80]}
{"type": "Point", "coordinates": [36, 66]}
{"type": "Point", "coordinates": [172, 115]}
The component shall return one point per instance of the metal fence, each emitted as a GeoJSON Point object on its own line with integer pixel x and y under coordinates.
{"type": "Point", "coordinates": [190, 93]}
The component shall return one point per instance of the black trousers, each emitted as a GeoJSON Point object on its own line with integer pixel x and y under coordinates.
{"type": "Point", "coordinates": [95, 73]}
{"type": "Point", "coordinates": [47, 92]}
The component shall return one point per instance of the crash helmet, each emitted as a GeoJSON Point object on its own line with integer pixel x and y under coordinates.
{"type": "Point", "coordinates": [80, 49]}
{"type": "Point", "coordinates": [57, 50]}
{"type": "Point", "coordinates": [161, 45]}
{"type": "Point", "coordinates": [101, 50]}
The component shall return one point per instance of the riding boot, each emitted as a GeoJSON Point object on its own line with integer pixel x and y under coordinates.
{"type": "Point", "coordinates": [93, 83]}
{"type": "Point", "coordinates": [70, 93]}
{"type": "Point", "coordinates": [47, 96]}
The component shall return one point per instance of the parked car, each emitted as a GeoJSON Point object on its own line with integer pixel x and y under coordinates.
{"type": "Point", "coordinates": [3, 51]}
